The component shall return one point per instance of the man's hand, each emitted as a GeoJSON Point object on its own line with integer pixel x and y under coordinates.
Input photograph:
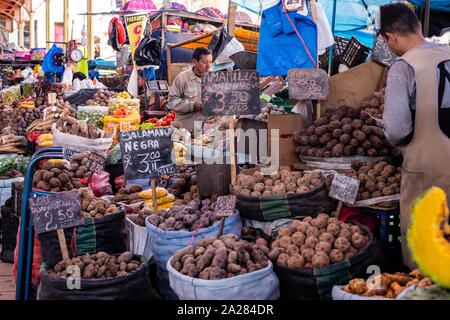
{"type": "Point", "coordinates": [198, 106]}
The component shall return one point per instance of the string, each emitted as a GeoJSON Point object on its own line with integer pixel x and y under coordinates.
{"type": "Point", "coordinates": [196, 230]}
{"type": "Point", "coordinates": [296, 31]}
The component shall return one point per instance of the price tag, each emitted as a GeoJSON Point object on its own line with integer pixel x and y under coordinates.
{"type": "Point", "coordinates": [163, 181]}
{"type": "Point", "coordinates": [227, 93]}
{"type": "Point", "coordinates": [68, 153]}
{"type": "Point", "coordinates": [147, 153]}
{"type": "Point", "coordinates": [344, 188]}
{"type": "Point", "coordinates": [56, 211]}
{"type": "Point", "coordinates": [308, 84]}
{"type": "Point", "coordinates": [225, 206]}
{"type": "Point", "coordinates": [95, 163]}
{"type": "Point", "coordinates": [381, 53]}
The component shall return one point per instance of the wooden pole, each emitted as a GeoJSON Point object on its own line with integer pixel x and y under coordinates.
{"type": "Point", "coordinates": [426, 27]}
{"type": "Point", "coordinates": [154, 197]}
{"type": "Point", "coordinates": [62, 244]}
{"type": "Point", "coordinates": [222, 222]}
{"type": "Point", "coordinates": [231, 18]}
{"type": "Point", "coordinates": [47, 23]}
{"type": "Point", "coordinates": [66, 21]}
{"type": "Point", "coordinates": [32, 30]}
{"type": "Point", "coordinates": [314, 15]}
{"type": "Point", "coordinates": [89, 29]}
{"type": "Point", "coordinates": [232, 151]}
{"type": "Point", "coordinates": [20, 29]}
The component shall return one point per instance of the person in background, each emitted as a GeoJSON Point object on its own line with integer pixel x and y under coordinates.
{"type": "Point", "coordinates": [97, 52]}
{"type": "Point", "coordinates": [416, 109]}
{"type": "Point", "coordinates": [186, 91]}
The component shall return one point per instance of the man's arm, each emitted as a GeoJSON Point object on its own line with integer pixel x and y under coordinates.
{"type": "Point", "coordinates": [397, 114]}
{"type": "Point", "coordinates": [177, 101]}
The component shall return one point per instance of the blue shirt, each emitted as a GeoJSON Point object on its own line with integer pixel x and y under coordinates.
{"type": "Point", "coordinates": [279, 47]}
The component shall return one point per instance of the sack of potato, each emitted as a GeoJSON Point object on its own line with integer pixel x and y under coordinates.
{"type": "Point", "coordinates": [55, 178]}
{"type": "Point", "coordinates": [314, 254]}
{"type": "Point", "coordinates": [283, 194]}
{"type": "Point", "coordinates": [103, 277]}
{"type": "Point", "coordinates": [224, 268]}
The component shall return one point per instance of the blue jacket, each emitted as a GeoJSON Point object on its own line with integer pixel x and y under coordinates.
{"type": "Point", "coordinates": [279, 47]}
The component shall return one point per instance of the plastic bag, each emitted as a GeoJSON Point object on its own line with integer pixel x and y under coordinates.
{"type": "Point", "coordinates": [65, 140]}
{"type": "Point", "coordinates": [148, 52]}
{"type": "Point", "coordinates": [132, 104]}
{"type": "Point", "coordinates": [218, 42]}
{"type": "Point", "coordinates": [11, 94]}
{"type": "Point", "coordinates": [305, 109]}
{"type": "Point", "coordinates": [234, 46]}
{"type": "Point", "coordinates": [100, 184]}
{"type": "Point", "coordinates": [92, 114]}
{"type": "Point", "coordinates": [67, 75]}
{"type": "Point", "coordinates": [116, 125]}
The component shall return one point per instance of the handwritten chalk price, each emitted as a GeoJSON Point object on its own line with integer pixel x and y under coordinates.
{"type": "Point", "coordinates": [344, 188]}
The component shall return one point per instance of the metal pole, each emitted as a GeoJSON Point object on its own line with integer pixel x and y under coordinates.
{"type": "Point", "coordinates": [333, 26]}
{"type": "Point", "coordinates": [426, 26]}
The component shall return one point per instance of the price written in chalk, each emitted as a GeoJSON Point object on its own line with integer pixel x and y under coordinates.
{"type": "Point", "coordinates": [95, 163]}
{"type": "Point", "coordinates": [306, 84]}
{"type": "Point", "coordinates": [225, 206]}
{"type": "Point", "coordinates": [230, 93]}
{"type": "Point", "coordinates": [382, 54]}
{"type": "Point", "coordinates": [344, 188]}
{"type": "Point", "coordinates": [147, 153]}
{"type": "Point", "coordinates": [56, 211]}
{"type": "Point", "coordinates": [69, 152]}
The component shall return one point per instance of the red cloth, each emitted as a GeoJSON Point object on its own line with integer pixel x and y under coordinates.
{"type": "Point", "coordinates": [354, 214]}
{"type": "Point", "coordinates": [35, 269]}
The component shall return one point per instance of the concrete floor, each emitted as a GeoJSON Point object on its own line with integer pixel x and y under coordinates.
{"type": "Point", "coordinates": [7, 284]}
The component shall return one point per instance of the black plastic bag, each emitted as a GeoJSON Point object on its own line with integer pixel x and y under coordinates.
{"type": "Point", "coordinates": [218, 42]}
{"type": "Point", "coordinates": [148, 52]}
{"type": "Point", "coordinates": [112, 41]}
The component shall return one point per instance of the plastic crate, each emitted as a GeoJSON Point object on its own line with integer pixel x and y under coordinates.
{"type": "Point", "coordinates": [354, 54]}
{"type": "Point", "coordinates": [340, 44]}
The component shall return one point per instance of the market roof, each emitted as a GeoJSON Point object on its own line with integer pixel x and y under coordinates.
{"type": "Point", "coordinates": [10, 10]}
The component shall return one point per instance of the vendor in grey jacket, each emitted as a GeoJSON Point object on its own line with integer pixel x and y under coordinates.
{"type": "Point", "coordinates": [416, 109]}
{"type": "Point", "coordinates": [186, 92]}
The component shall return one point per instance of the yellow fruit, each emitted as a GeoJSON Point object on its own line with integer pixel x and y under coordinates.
{"type": "Point", "coordinates": [429, 248]}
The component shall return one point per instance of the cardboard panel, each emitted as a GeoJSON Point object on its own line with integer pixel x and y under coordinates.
{"type": "Point", "coordinates": [286, 123]}
{"type": "Point", "coordinates": [355, 85]}
{"type": "Point", "coordinates": [176, 68]}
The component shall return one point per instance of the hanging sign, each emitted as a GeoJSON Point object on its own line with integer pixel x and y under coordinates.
{"type": "Point", "coordinates": [135, 28]}
{"type": "Point", "coordinates": [56, 211]}
{"type": "Point", "coordinates": [344, 188]}
{"type": "Point", "coordinates": [147, 153]}
{"type": "Point", "coordinates": [308, 84]}
{"type": "Point", "coordinates": [382, 54]}
{"type": "Point", "coordinates": [95, 163]}
{"type": "Point", "coordinates": [227, 93]}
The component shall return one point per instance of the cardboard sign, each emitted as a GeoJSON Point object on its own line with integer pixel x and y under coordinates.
{"type": "Point", "coordinates": [147, 153]}
{"type": "Point", "coordinates": [95, 163]}
{"type": "Point", "coordinates": [308, 84]}
{"type": "Point", "coordinates": [68, 153]}
{"type": "Point", "coordinates": [225, 206]}
{"type": "Point", "coordinates": [56, 211]}
{"type": "Point", "coordinates": [227, 93]}
{"type": "Point", "coordinates": [381, 53]}
{"type": "Point", "coordinates": [344, 188]}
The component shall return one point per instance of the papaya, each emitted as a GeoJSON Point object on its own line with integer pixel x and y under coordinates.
{"type": "Point", "coordinates": [427, 234]}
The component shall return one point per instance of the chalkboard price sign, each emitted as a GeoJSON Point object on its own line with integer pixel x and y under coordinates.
{"type": "Point", "coordinates": [69, 152]}
{"type": "Point", "coordinates": [381, 53]}
{"type": "Point", "coordinates": [344, 188]}
{"type": "Point", "coordinates": [308, 84]}
{"type": "Point", "coordinates": [227, 93]}
{"type": "Point", "coordinates": [225, 206]}
{"type": "Point", "coordinates": [95, 163]}
{"type": "Point", "coordinates": [147, 153]}
{"type": "Point", "coordinates": [56, 211]}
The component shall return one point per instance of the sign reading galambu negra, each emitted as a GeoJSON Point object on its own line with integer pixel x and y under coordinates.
{"type": "Point", "coordinates": [147, 153]}
{"type": "Point", "coordinates": [227, 93]}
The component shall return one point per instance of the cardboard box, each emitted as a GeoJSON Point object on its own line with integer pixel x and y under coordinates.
{"type": "Point", "coordinates": [175, 69]}
{"type": "Point", "coordinates": [287, 124]}
{"type": "Point", "coordinates": [355, 85]}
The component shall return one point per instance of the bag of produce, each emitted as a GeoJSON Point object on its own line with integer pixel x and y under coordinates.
{"type": "Point", "coordinates": [116, 104]}
{"type": "Point", "coordinates": [131, 284]}
{"type": "Point", "coordinates": [11, 94]}
{"type": "Point", "coordinates": [223, 268]}
{"type": "Point", "coordinates": [65, 140]}
{"type": "Point", "coordinates": [138, 241]}
{"type": "Point", "coordinates": [92, 114]}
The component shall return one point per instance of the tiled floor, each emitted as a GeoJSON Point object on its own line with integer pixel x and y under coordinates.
{"type": "Point", "coordinates": [7, 284]}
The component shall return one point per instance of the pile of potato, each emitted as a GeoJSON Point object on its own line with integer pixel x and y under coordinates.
{"type": "Point", "coordinates": [184, 189]}
{"type": "Point", "coordinates": [55, 178]}
{"type": "Point", "coordinates": [343, 132]}
{"type": "Point", "coordinates": [15, 119]}
{"type": "Point", "coordinates": [387, 285]}
{"type": "Point", "coordinates": [97, 266]}
{"type": "Point", "coordinates": [215, 259]}
{"type": "Point", "coordinates": [129, 195]}
{"type": "Point", "coordinates": [376, 179]}
{"type": "Point", "coordinates": [375, 105]}
{"type": "Point", "coordinates": [188, 217]}
{"type": "Point", "coordinates": [316, 242]}
{"type": "Point", "coordinates": [184, 171]}
{"type": "Point", "coordinates": [283, 182]}
{"type": "Point", "coordinates": [101, 97]}
{"type": "Point", "coordinates": [93, 207]}
{"type": "Point", "coordinates": [11, 174]}
{"type": "Point", "coordinates": [79, 128]}
{"type": "Point", "coordinates": [77, 165]}
{"type": "Point", "coordinates": [268, 110]}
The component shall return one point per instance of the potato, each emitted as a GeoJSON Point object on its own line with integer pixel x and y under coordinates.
{"type": "Point", "coordinates": [320, 260]}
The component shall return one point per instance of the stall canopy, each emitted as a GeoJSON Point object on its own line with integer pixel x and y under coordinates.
{"type": "Point", "coordinates": [10, 11]}
{"type": "Point", "coordinates": [241, 16]}
{"type": "Point", "coordinates": [439, 5]}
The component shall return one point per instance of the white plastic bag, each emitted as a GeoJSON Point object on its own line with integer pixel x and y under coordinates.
{"type": "Point", "coordinates": [231, 48]}
{"type": "Point", "coordinates": [305, 109]}
{"type": "Point", "coordinates": [67, 76]}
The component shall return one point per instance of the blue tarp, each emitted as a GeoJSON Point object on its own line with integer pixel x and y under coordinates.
{"type": "Point", "coordinates": [364, 36]}
{"type": "Point", "coordinates": [101, 63]}
{"type": "Point", "coordinates": [439, 5]}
